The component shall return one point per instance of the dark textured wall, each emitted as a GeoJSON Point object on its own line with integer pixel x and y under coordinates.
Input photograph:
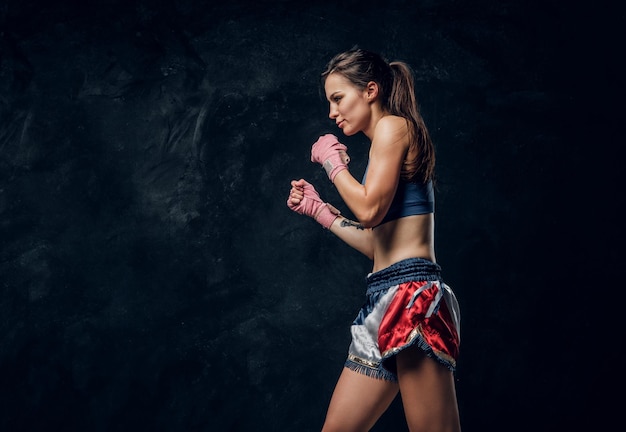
{"type": "Point", "coordinates": [152, 277]}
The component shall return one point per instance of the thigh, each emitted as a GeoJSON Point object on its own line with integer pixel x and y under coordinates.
{"type": "Point", "coordinates": [428, 392]}
{"type": "Point", "coordinates": [358, 401]}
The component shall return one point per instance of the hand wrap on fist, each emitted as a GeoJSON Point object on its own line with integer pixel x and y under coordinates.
{"type": "Point", "coordinates": [304, 199]}
{"type": "Point", "coordinates": [331, 154]}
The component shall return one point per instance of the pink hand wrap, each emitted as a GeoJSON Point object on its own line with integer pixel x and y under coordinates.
{"type": "Point", "coordinates": [331, 154]}
{"type": "Point", "coordinates": [312, 205]}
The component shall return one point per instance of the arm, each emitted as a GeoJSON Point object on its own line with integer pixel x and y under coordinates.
{"type": "Point", "coordinates": [370, 202]}
{"type": "Point", "coordinates": [304, 199]}
{"type": "Point", "coordinates": [355, 235]}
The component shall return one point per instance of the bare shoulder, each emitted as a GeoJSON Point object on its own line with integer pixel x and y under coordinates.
{"type": "Point", "coordinates": [392, 121]}
{"type": "Point", "coordinates": [391, 130]}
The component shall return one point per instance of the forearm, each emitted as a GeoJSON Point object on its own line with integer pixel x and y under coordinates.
{"type": "Point", "coordinates": [364, 207]}
{"type": "Point", "coordinates": [332, 156]}
{"type": "Point", "coordinates": [355, 235]}
{"type": "Point", "coordinates": [369, 201]}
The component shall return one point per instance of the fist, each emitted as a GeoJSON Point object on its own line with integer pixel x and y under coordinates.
{"type": "Point", "coordinates": [331, 154]}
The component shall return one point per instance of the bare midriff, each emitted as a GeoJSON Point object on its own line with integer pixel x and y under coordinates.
{"type": "Point", "coordinates": [407, 237]}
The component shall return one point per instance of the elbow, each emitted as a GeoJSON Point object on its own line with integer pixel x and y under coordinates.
{"type": "Point", "coordinates": [367, 223]}
{"type": "Point", "coordinates": [370, 219]}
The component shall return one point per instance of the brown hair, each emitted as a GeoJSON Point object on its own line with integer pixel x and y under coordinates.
{"type": "Point", "coordinates": [397, 95]}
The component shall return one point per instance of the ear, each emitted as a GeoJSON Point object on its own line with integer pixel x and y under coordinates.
{"type": "Point", "coordinates": [371, 91]}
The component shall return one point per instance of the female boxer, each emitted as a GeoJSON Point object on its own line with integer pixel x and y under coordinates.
{"type": "Point", "coordinates": [406, 336]}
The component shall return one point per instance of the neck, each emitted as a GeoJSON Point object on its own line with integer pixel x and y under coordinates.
{"type": "Point", "coordinates": [377, 114]}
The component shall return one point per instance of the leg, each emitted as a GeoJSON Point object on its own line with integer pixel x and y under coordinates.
{"type": "Point", "coordinates": [357, 402]}
{"type": "Point", "coordinates": [428, 393]}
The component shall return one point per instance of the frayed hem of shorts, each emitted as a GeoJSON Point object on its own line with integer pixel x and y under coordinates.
{"type": "Point", "coordinates": [377, 373]}
{"type": "Point", "coordinates": [419, 341]}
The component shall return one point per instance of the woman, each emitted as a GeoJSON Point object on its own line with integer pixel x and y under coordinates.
{"type": "Point", "coordinates": [406, 336]}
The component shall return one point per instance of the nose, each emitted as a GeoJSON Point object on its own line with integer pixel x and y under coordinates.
{"type": "Point", "coordinates": [332, 114]}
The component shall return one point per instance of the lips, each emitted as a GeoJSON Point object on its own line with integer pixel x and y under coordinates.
{"type": "Point", "coordinates": [340, 124]}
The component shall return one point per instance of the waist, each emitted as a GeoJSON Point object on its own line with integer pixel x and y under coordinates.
{"type": "Point", "coordinates": [406, 270]}
{"type": "Point", "coordinates": [403, 238]}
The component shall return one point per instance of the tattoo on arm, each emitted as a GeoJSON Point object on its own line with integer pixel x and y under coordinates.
{"type": "Point", "coordinates": [349, 223]}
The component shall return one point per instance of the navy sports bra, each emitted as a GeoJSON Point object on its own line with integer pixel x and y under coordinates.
{"type": "Point", "coordinates": [410, 199]}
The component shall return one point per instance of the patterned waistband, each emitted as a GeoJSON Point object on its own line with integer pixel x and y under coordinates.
{"type": "Point", "coordinates": [410, 269]}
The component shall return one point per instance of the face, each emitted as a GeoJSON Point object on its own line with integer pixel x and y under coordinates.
{"type": "Point", "coordinates": [349, 106]}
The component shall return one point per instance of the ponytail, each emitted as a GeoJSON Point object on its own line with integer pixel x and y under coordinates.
{"type": "Point", "coordinates": [402, 102]}
{"type": "Point", "coordinates": [397, 95]}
